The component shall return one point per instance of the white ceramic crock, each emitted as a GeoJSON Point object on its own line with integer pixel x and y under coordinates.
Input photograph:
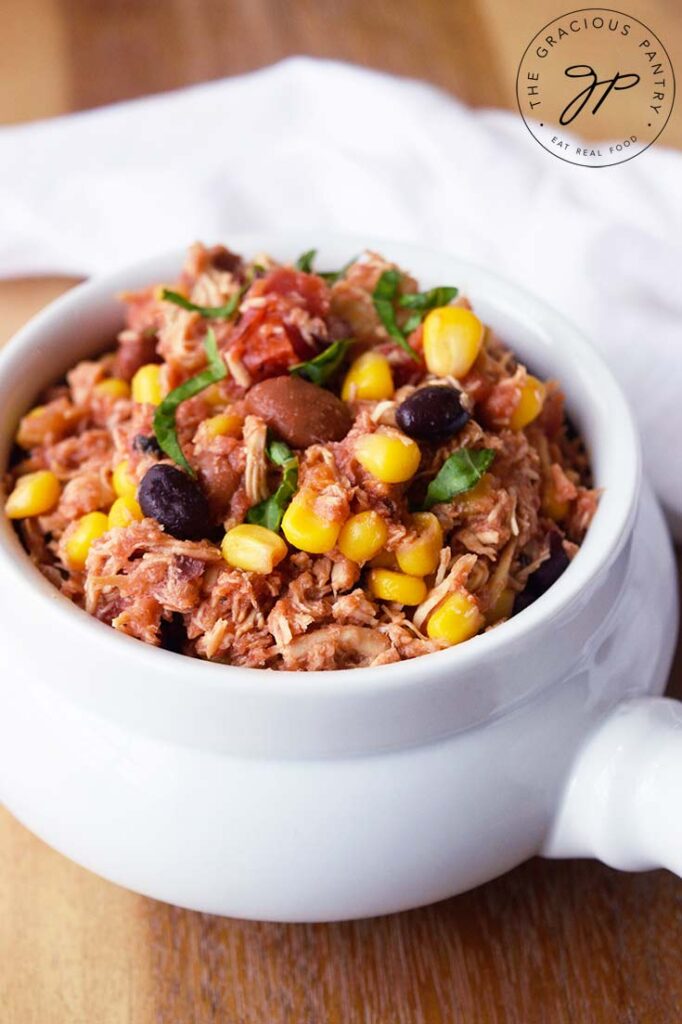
{"type": "Point", "coordinates": [308, 797]}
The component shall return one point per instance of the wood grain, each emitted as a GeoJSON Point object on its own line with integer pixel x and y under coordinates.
{"type": "Point", "coordinates": [551, 943]}
{"type": "Point", "coordinates": [76, 54]}
{"type": "Point", "coordinates": [210, 38]}
{"type": "Point", "coordinates": [34, 65]}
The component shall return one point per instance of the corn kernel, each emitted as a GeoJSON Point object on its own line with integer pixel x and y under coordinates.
{"type": "Point", "coordinates": [369, 378]}
{"type": "Point", "coordinates": [33, 495]}
{"type": "Point", "coordinates": [384, 560]}
{"type": "Point", "coordinates": [452, 340]}
{"type": "Point", "coordinates": [530, 403]}
{"type": "Point", "coordinates": [253, 548]}
{"type": "Point", "coordinates": [502, 608]}
{"type": "Point", "coordinates": [146, 384]}
{"type": "Point", "coordinates": [396, 586]}
{"type": "Point", "coordinates": [391, 458]}
{"type": "Point", "coordinates": [457, 618]}
{"type": "Point", "coordinates": [305, 529]}
{"type": "Point", "coordinates": [122, 482]}
{"type": "Point", "coordinates": [552, 506]}
{"type": "Point", "coordinates": [88, 529]}
{"type": "Point", "coordinates": [420, 557]}
{"type": "Point", "coordinates": [362, 536]}
{"type": "Point", "coordinates": [225, 424]}
{"type": "Point", "coordinates": [113, 387]}
{"type": "Point", "coordinates": [124, 512]}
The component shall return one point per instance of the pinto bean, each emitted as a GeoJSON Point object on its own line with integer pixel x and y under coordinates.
{"type": "Point", "coordinates": [301, 413]}
{"type": "Point", "coordinates": [226, 260]}
{"type": "Point", "coordinates": [135, 348]}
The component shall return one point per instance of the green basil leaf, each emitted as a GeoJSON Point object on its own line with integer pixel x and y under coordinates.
{"type": "Point", "coordinates": [269, 513]}
{"type": "Point", "coordinates": [279, 452]}
{"type": "Point", "coordinates": [386, 287]}
{"type": "Point", "coordinates": [214, 312]}
{"type": "Point", "coordinates": [305, 261]}
{"type": "Point", "coordinates": [384, 295]}
{"type": "Point", "coordinates": [164, 416]}
{"type": "Point", "coordinates": [459, 473]}
{"type": "Point", "coordinates": [412, 323]}
{"type": "Point", "coordinates": [323, 366]}
{"type": "Point", "coordinates": [424, 301]}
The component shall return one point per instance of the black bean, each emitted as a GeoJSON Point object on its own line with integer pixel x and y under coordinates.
{"type": "Point", "coordinates": [172, 633]}
{"type": "Point", "coordinates": [147, 444]}
{"type": "Point", "coordinates": [547, 573]}
{"type": "Point", "coordinates": [432, 414]}
{"type": "Point", "coordinates": [571, 430]}
{"type": "Point", "coordinates": [175, 501]}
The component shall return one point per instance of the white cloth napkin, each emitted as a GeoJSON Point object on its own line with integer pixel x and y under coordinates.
{"type": "Point", "coordinates": [310, 143]}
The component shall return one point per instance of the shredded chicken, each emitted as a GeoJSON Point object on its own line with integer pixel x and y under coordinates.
{"type": "Point", "coordinates": [256, 472]}
{"type": "Point", "coordinates": [455, 579]}
{"type": "Point", "coordinates": [343, 646]}
{"type": "Point", "coordinates": [313, 610]}
{"type": "Point", "coordinates": [237, 369]}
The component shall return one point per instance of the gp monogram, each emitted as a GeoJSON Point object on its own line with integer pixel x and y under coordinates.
{"type": "Point", "coordinates": [597, 74]}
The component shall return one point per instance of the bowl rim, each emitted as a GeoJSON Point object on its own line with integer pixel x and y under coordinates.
{"type": "Point", "coordinates": [618, 427]}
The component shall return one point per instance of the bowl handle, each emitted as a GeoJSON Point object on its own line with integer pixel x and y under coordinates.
{"type": "Point", "coordinates": [622, 800]}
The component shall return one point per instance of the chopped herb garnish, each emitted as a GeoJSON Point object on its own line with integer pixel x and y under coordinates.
{"type": "Point", "coordinates": [269, 513]}
{"type": "Point", "coordinates": [279, 452]}
{"type": "Point", "coordinates": [459, 473]}
{"type": "Point", "coordinates": [384, 296]}
{"type": "Point", "coordinates": [423, 302]}
{"type": "Point", "coordinates": [305, 261]}
{"type": "Point", "coordinates": [164, 417]}
{"type": "Point", "coordinates": [214, 312]}
{"type": "Point", "coordinates": [320, 369]}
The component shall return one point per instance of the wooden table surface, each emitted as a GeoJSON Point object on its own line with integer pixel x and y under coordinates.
{"type": "Point", "coordinates": [552, 943]}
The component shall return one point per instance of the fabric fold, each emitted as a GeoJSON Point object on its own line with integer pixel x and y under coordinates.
{"type": "Point", "coordinates": [321, 145]}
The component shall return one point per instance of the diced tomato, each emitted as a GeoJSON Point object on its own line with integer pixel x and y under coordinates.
{"type": "Point", "coordinates": [263, 344]}
{"type": "Point", "coordinates": [268, 338]}
{"type": "Point", "coordinates": [477, 384]}
{"type": "Point", "coordinates": [308, 291]}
